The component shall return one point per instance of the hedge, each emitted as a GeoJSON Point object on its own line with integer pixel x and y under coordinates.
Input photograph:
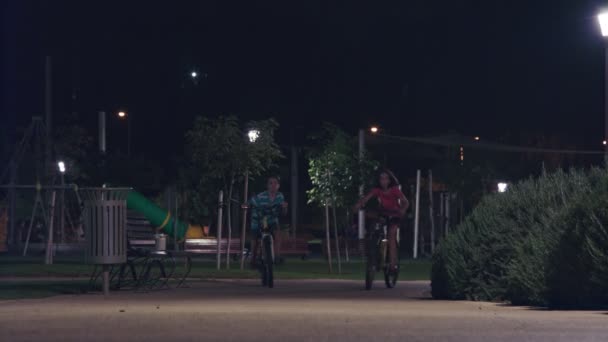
{"type": "Point", "coordinates": [543, 242]}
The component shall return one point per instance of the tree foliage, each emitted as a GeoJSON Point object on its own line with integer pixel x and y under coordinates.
{"type": "Point", "coordinates": [219, 152]}
{"type": "Point", "coordinates": [335, 169]}
{"type": "Point", "coordinates": [72, 144]}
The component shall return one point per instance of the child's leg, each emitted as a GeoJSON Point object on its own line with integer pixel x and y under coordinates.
{"type": "Point", "coordinates": [392, 243]}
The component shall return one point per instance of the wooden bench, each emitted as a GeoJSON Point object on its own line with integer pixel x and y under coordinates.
{"type": "Point", "coordinates": [209, 246]}
{"type": "Point", "coordinates": [297, 247]}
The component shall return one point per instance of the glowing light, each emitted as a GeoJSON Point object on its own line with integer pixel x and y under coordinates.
{"type": "Point", "coordinates": [194, 74]}
{"type": "Point", "coordinates": [374, 129]}
{"type": "Point", "coordinates": [502, 187]}
{"type": "Point", "coordinates": [61, 166]}
{"type": "Point", "coordinates": [253, 135]}
{"type": "Point", "coordinates": [602, 18]}
{"type": "Point", "coordinates": [122, 114]}
{"type": "Point", "coordinates": [477, 138]}
{"type": "Point", "coordinates": [604, 142]}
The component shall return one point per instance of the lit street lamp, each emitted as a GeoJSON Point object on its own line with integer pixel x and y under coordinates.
{"type": "Point", "coordinates": [123, 116]}
{"type": "Point", "coordinates": [502, 187]}
{"type": "Point", "coordinates": [603, 21]}
{"type": "Point", "coordinates": [61, 167]}
{"type": "Point", "coordinates": [374, 129]}
{"type": "Point", "coordinates": [253, 135]}
{"type": "Point", "coordinates": [194, 74]}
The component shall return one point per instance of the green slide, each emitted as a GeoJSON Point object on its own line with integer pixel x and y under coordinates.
{"type": "Point", "coordinates": [161, 219]}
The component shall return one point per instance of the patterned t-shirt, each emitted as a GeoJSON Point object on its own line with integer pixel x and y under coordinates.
{"type": "Point", "coordinates": [262, 206]}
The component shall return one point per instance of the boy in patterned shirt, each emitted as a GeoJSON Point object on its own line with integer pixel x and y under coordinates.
{"type": "Point", "coordinates": [267, 203]}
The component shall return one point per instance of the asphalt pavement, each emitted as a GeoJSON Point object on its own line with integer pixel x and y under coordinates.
{"type": "Point", "coordinates": [295, 310]}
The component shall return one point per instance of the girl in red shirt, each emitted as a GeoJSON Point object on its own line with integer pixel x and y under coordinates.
{"type": "Point", "coordinates": [392, 203]}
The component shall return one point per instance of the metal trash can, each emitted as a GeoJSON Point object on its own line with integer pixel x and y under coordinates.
{"type": "Point", "coordinates": [161, 242]}
{"type": "Point", "coordinates": [105, 226]}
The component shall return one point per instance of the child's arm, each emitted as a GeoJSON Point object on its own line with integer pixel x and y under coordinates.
{"type": "Point", "coordinates": [362, 202]}
{"type": "Point", "coordinates": [404, 204]}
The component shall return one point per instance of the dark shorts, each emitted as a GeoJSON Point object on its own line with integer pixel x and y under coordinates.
{"type": "Point", "coordinates": [392, 220]}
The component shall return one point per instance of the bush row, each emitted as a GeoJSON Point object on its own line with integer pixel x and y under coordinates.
{"type": "Point", "coordinates": [543, 242]}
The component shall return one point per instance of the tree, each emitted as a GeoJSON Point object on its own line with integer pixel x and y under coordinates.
{"type": "Point", "coordinates": [220, 153]}
{"type": "Point", "coordinates": [72, 143]}
{"type": "Point", "coordinates": [336, 172]}
{"type": "Point", "coordinates": [335, 169]}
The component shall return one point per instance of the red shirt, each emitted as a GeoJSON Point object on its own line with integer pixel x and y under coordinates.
{"type": "Point", "coordinates": [389, 199]}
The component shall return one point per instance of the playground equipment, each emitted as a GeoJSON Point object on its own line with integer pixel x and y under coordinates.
{"type": "Point", "coordinates": [162, 219]}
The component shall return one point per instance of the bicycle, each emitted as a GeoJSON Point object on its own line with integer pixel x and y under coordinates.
{"type": "Point", "coordinates": [377, 255]}
{"type": "Point", "coordinates": [265, 260]}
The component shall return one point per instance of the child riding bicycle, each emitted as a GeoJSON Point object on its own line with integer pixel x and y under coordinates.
{"type": "Point", "coordinates": [392, 204]}
{"type": "Point", "coordinates": [266, 204]}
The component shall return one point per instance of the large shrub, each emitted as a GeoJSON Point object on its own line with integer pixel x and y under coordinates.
{"type": "Point", "coordinates": [578, 266]}
{"type": "Point", "coordinates": [502, 251]}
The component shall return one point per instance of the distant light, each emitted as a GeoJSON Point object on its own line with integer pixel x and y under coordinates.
{"type": "Point", "coordinates": [253, 135]}
{"type": "Point", "coordinates": [122, 114]}
{"type": "Point", "coordinates": [477, 138]}
{"type": "Point", "coordinates": [604, 142]}
{"type": "Point", "coordinates": [61, 166]}
{"type": "Point", "coordinates": [603, 20]}
{"type": "Point", "coordinates": [374, 129]}
{"type": "Point", "coordinates": [502, 187]}
{"type": "Point", "coordinates": [194, 74]}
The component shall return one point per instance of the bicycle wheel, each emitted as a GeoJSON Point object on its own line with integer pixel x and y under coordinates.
{"type": "Point", "coordinates": [370, 273]}
{"type": "Point", "coordinates": [262, 269]}
{"type": "Point", "coordinates": [268, 262]}
{"type": "Point", "coordinates": [391, 276]}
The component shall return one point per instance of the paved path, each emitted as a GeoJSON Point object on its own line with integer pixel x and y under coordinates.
{"type": "Point", "coordinates": [297, 310]}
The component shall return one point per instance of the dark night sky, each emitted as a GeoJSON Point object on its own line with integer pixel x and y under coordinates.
{"type": "Point", "coordinates": [416, 67]}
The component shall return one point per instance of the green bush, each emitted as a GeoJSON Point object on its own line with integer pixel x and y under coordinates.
{"type": "Point", "coordinates": [505, 250]}
{"type": "Point", "coordinates": [578, 272]}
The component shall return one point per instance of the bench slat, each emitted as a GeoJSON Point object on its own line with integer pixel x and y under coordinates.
{"type": "Point", "coordinates": [209, 246]}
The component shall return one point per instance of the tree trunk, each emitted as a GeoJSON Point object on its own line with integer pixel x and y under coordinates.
{"type": "Point", "coordinates": [229, 220]}
{"type": "Point", "coordinates": [219, 228]}
{"type": "Point", "coordinates": [333, 208]}
{"type": "Point", "coordinates": [431, 211]}
{"type": "Point", "coordinates": [417, 215]}
{"type": "Point", "coordinates": [327, 235]}
{"type": "Point", "coordinates": [244, 222]}
{"type": "Point", "coordinates": [346, 237]}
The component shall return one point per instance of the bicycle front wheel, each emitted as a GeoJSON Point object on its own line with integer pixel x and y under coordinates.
{"type": "Point", "coordinates": [370, 273]}
{"type": "Point", "coordinates": [268, 262]}
{"type": "Point", "coordinates": [391, 275]}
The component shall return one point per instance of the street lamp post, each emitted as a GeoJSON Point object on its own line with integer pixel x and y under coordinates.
{"type": "Point", "coordinates": [252, 135]}
{"type": "Point", "coordinates": [603, 21]}
{"type": "Point", "coordinates": [361, 214]}
{"type": "Point", "coordinates": [123, 115]}
{"type": "Point", "coordinates": [61, 167]}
